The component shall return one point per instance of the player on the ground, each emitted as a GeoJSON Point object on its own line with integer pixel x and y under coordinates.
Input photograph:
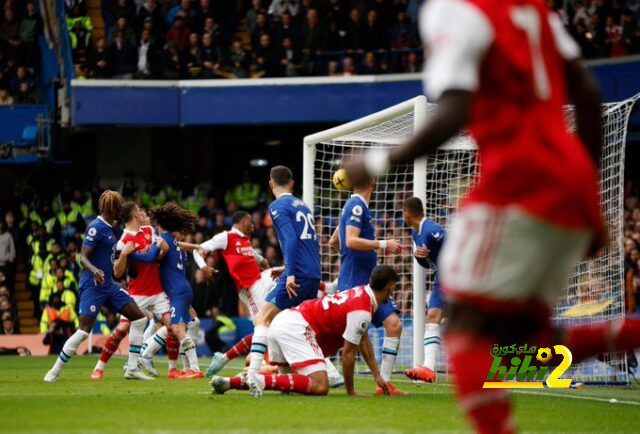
{"type": "Point", "coordinates": [355, 239]}
{"type": "Point", "coordinates": [504, 70]}
{"type": "Point", "coordinates": [301, 338]}
{"type": "Point", "coordinates": [96, 286]}
{"type": "Point", "coordinates": [295, 228]}
{"type": "Point", "coordinates": [173, 223]}
{"type": "Point", "coordinates": [428, 238]}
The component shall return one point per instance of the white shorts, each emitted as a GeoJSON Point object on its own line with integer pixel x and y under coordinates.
{"type": "Point", "coordinates": [292, 341]}
{"type": "Point", "coordinates": [157, 304]}
{"type": "Point", "coordinates": [254, 297]}
{"type": "Point", "coordinates": [507, 255]}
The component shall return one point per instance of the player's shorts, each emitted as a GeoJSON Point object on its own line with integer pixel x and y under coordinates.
{"type": "Point", "coordinates": [113, 296]}
{"type": "Point", "coordinates": [255, 296]}
{"type": "Point", "coordinates": [384, 311]}
{"type": "Point", "coordinates": [157, 304]}
{"type": "Point", "coordinates": [504, 259]}
{"type": "Point", "coordinates": [292, 340]}
{"type": "Point", "coordinates": [180, 304]}
{"type": "Point", "coordinates": [279, 296]}
{"type": "Point", "coordinates": [435, 299]}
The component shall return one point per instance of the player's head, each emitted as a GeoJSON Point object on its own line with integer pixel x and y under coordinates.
{"type": "Point", "coordinates": [110, 205]}
{"type": "Point", "coordinates": [383, 280]}
{"type": "Point", "coordinates": [281, 177]}
{"type": "Point", "coordinates": [144, 217]}
{"type": "Point", "coordinates": [130, 213]}
{"type": "Point", "coordinates": [242, 221]}
{"type": "Point", "coordinates": [366, 188]}
{"type": "Point", "coordinates": [173, 218]}
{"type": "Point", "coordinates": [412, 211]}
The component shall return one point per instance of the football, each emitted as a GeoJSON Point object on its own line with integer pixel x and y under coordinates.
{"type": "Point", "coordinates": [340, 180]}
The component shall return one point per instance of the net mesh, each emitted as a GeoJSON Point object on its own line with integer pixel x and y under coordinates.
{"type": "Point", "coordinates": [595, 291]}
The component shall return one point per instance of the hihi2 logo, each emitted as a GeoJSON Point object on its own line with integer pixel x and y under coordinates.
{"type": "Point", "coordinates": [527, 372]}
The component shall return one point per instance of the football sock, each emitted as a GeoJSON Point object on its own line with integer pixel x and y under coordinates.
{"type": "Point", "coordinates": [237, 383]}
{"type": "Point", "coordinates": [239, 349]}
{"type": "Point", "coordinates": [288, 383]}
{"type": "Point", "coordinates": [193, 328]}
{"type": "Point", "coordinates": [258, 348]}
{"type": "Point", "coordinates": [470, 359]}
{"type": "Point", "coordinates": [588, 341]}
{"type": "Point", "coordinates": [153, 344]}
{"type": "Point", "coordinates": [69, 349]}
{"type": "Point", "coordinates": [431, 345]}
{"type": "Point", "coordinates": [189, 349]}
{"type": "Point", "coordinates": [136, 333]}
{"type": "Point", "coordinates": [389, 354]}
{"type": "Point", "coordinates": [173, 349]}
{"type": "Point", "coordinates": [110, 347]}
{"type": "Point", "coordinates": [151, 329]}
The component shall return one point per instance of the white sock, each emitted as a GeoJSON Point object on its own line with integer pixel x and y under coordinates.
{"type": "Point", "coordinates": [389, 354]}
{"type": "Point", "coordinates": [151, 329]}
{"type": "Point", "coordinates": [193, 328]}
{"type": "Point", "coordinates": [185, 361]}
{"type": "Point", "coordinates": [154, 343]}
{"type": "Point", "coordinates": [258, 348]}
{"type": "Point", "coordinates": [431, 345]}
{"type": "Point", "coordinates": [69, 349]}
{"type": "Point", "coordinates": [332, 372]}
{"type": "Point", "coordinates": [136, 333]}
{"type": "Point", "coordinates": [189, 349]}
{"type": "Point", "coordinates": [100, 365]}
{"type": "Point", "coordinates": [173, 364]}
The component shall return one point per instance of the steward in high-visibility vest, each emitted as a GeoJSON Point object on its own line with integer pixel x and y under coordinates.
{"type": "Point", "coordinates": [82, 204]}
{"type": "Point", "coordinates": [57, 310]}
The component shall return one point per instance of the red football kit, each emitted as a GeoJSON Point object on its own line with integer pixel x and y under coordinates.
{"type": "Point", "coordinates": [147, 282]}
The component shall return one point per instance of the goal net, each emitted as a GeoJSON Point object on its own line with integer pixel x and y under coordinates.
{"type": "Point", "coordinates": [595, 290]}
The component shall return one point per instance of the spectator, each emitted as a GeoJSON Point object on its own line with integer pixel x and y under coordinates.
{"type": "Point", "coordinates": [26, 94]}
{"type": "Point", "coordinates": [57, 333]}
{"type": "Point", "coordinates": [251, 18]}
{"type": "Point", "coordinates": [100, 59]}
{"type": "Point", "coordinates": [80, 37]}
{"type": "Point", "coordinates": [30, 25]}
{"type": "Point", "coordinates": [333, 69]}
{"type": "Point", "coordinates": [10, 26]}
{"type": "Point", "coordinates": [191, 55]}
{"type": "Point", "coordinates": [211, 27]}
{"type": "Point", "coordinates": [248, 193]}
{"type": "Point", "coordinates": [369, 65]}
{"type": "Point", "coordinates": [122, 25]}
{"type": "Point", "coordinates": [290, 58]}
{"type": "Point", "coordinates": [5, 97]}
{"type": "Point", "coordinates": [22, 76]}
{"type": "Point", "coordinates": [279, 7]}
{"type": "Point", "coordinates": [184, 10]}
{"type": "Point", "coordinates": [373, 35]}
{"type": "Point", "coordinates": [355, 31]}
{"type": "Point", "coordinates": [335, 11]}
{"type": "Point", "coordinates": [401, 34]}
{"type": "Point", "coordinates": [313, 36]}
{"type": "Point", "coordinates": [239, 60]}
{"type": "Point", "coordinates": [613, 41]}
{"type": "Point", "coordinates": [348, 67]}
{"type": "Point", "coordinates": [266, 62]}
{"type": "Point", "coordinates": [209, 57]}
{"type": "Point", "coordinates": [8, 325]}
{"type": "Point", "coordinates": [335, 39]}
{"type": "Point", "coordinates": [173, 66]}
{"type": "Point", "coordinates": [126, 9]}
{"type": "Point", "coordinates": [204, 12]}
{"type": "Point", "coordinates": [179, 33]}
{"type": "Point", "coordinates": [124, 57]}
{"type": "Point", "coordinates": [148, 56]}
{"type": "Point", "coordinates": [150, 10]}
{"type": "Point", "coordinates": [261, 28]}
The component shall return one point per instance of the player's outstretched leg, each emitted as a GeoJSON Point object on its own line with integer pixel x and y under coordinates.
{"type": "Point", "coordinates": [219, 360]}
{"type": "Point", "coordinates": [68, 351]}
{"type": "Point", "coordinates": [585, 341]}
{"type": "Point", "coordinates": [151, 346]}
{"type": "Point", "coordinates": [110, 347]}
{"type": "Point", "coordinates": [314, 384]}
{"type": "Point", "coordinates": [393, 330]}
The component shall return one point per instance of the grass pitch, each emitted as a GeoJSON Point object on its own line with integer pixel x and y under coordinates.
{"type": "Point", "coordinates": [115, 405]}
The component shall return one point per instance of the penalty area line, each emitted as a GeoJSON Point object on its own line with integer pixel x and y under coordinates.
{"type": "Point", "coordinates": [585, 398]}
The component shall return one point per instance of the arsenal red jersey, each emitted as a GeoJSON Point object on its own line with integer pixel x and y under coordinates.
{"type": "Point", "coordinates": [345, 315]}
{"type": "Point", "coordinates": [235, 248]}
{"type": "Point", "coordinates": [147, 282]}
{"type": "Point", "coordinates": [510, 55]}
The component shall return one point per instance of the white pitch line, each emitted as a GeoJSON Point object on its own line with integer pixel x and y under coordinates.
{"type": "Point", "coordinates": [586, 398]}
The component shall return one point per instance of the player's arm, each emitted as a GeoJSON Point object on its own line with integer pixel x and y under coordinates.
{"type": "Point", "coordinates": [366, 349]}
{"type": "Point", "coordinates": [188, 247]}
{"type": "Point", "coordinates": [421, 254]}
{"type": "Point", "coordinates": [260, 260]}
{"type": "Point", "coordinates": [349, 351]}
{"type": "Point", "coordinates": [120, 265]}
{"type": "Point", "coordinates": [354, 334]}
{"type": "Point", "coordinates": [90, 241]}
{"type": "Point", "coordinates": [353, 241]}
{"type": "Point", "coordinates": [218, 242]}
{"type": "Point", "coordinates": [334, 241]}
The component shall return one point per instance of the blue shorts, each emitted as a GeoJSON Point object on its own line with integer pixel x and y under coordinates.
{"type": "Point", "coordinates": [435, 300]}
{"type": "Point", "coordinates": [180, 304]}
{"type": "Point", "coordinates": [384, 311]}
{"type": "Point", "coordinates": [111, 295]}
{"type": "Point", "coordinates": [279, 296]}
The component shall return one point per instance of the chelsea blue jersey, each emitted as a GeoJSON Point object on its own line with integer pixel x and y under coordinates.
{"type": "Point", "coordinates": [356, 265]}
{"type": "Point", "coordinates": [295, 227]}
{"type": "Point", "coordinates": [431, 236]}
{"type": "Point", "coordinates": [102, 239]}
{"type": "Point", "coordinates": [172, 268]}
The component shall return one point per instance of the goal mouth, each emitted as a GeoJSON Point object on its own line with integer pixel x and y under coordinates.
{"type": "Point", "coordinates": [595, 290]}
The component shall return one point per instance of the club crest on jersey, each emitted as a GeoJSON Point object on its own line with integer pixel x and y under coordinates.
{"type": "Point", "coordinates": [436, 235]}
{"type": "Point", "coordinates": [147, 237]}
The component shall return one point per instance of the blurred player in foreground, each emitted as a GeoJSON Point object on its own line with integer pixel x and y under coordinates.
{"type": "Point", "coordinates": [301, 338]}
{"type": "Point", "coordinates": [428, 237]}
{"type": "Point", "coordinates": [97, 287]}
{"type": "Point", "coordinates": [355, 239]}
{"type": "Point", "coordinates": [504, 71]}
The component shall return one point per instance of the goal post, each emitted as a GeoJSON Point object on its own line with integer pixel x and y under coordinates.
{"type": "Point", "coordinates": [595, 290]}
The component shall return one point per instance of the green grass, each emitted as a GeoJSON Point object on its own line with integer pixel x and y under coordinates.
{"type": "Point", "coordinates": [77, 404]}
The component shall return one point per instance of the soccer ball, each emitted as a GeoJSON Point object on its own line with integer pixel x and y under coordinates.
{"type": "Point", "coordinates": [340, 180]}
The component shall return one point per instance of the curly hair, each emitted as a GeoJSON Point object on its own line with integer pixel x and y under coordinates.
{"type": "Point", "coordinates": [174, 218]}
{"type": "Point", "coordinates": [110, 204]}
